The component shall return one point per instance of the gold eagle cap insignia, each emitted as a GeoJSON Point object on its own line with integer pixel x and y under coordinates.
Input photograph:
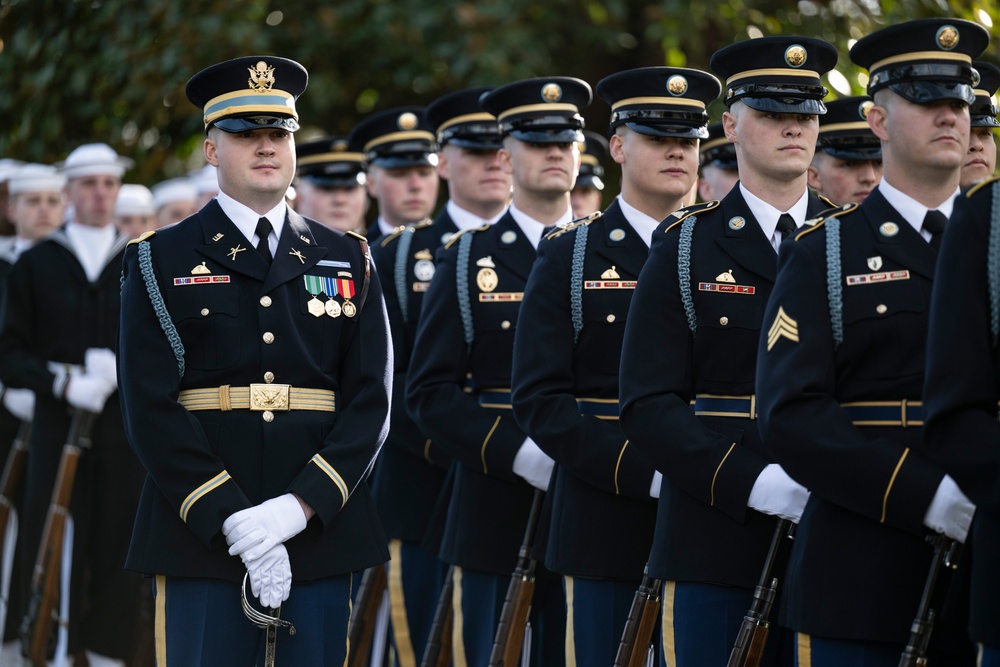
{"type": "Point", "coordinates": [261, 77]}
{"type": "Point", "coordinates": [947, 37]}
{"type": "Point", "coordinates": [795, 55]}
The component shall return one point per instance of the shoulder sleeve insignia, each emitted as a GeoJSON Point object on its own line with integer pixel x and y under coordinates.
{"type": "Point", "coordinates": [143, 237]}
{"type": "Point", "coordinates": [819, 221]}
{"type": "Point", "coordinates": [458, 235]}
{"type": "Point", "coordinates": [680, 215]}
{"type": "Point", "coordinates": [783, 327]}
{"type": "Point", "coordinates": [979, 185]}
{"type": "Point", "coordinates": [573, 224]}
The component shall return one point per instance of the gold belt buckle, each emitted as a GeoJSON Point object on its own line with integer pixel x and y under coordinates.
{"type": "Point", "coordinates": [269, 397]}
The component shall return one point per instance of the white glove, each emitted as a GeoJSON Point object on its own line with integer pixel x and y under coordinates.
{"type": "Point", "coordinates": [20, 403]}
{"type": "Point", "coordinates": [777, 494]}
{"type": "Point", "coordinates": [88, 392]}
{"type": "Point", "coordinates": [255, 530]}
{"type": "Point", "coordinates": [271, 576]}
{"type": "Point", "coordinates": [654, 487]}
{"type": "Point", "coordinates": [950, 511]}
{"type": "Point", "coordinates": [100, 361]}
{"type": "Point", "coordinates": [534, 465]}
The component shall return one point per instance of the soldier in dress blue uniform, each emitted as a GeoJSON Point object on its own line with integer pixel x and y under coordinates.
{"type": "Point", "coordinates": [718, 173]}
{"type": "Point", "coordinates": [981, 162]}
{"type": "Point", "coordinates": [60, 320]}
{"type": "Point", "coordinates": [399, 149]}
{"type": "Point", "coordinates": [410, 474]}
{"type": "Point", "coordinates": [701, 296]}
{"type": "Point", "coordinates": [330, 187]}
{"type": "Point", "coordinates": [568, 345]}
{"type": "Point", "coordinates": [587, 194]}
{"type": "Point", "coordinates": [467, 329]}
{"type": "Point", "coordinates": [848, 160]}
{"type": "Point", "coordinates": [962, 433]}
{"type": "Point", "coordinates": [841, 364]}
{"type": "Point", "coordinates": [254, 364]}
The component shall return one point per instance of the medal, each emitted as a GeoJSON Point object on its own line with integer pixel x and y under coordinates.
{"type": "Point", "coordinates": [332, 308]}
{"type": "Point", "coordinates": [314, 285]}
{"type": "Point", "coordinates": [350, 309]}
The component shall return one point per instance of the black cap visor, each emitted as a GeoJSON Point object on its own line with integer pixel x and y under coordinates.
{"type": "Point", "coordinates": [926, 92]}
{"type": "Point", "coordinates": [237, 124]}
{"type": "Point", "coordinates": [404, 160]}
{"type": "Point", "coordinates": [353, 180]}
{"type": "Point", "coordinates": [664, 130]}
{"type": "Point", "coordinates": [592, 181]}
{"type": "Point", "coordinates": [474, 136]}
{"type": "Point", "coordinates": [780, 99]}
{"type": "Point", "coordinates": [853, 152]}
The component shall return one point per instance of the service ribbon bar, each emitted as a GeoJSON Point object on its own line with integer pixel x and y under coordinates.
{"type": "Point", "coordinates": [200, 280]}
{"type": "Point", "coordinates": [726, 288]}
{"type": "Point", "coordinates": [884, 277]}
{"type": "Point", "coordinates": [500, 296]}
{"type": "Point", "coordinates": [609, 284]}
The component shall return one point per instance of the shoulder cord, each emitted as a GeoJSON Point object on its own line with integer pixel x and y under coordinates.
{"type": "Point", "coordinates": [993, 264]}
{"type": "Point", "coordinates": [576, 280]}
{"type": "Point", "coordinates": [834, 288]}
{"type": "Point", "coordinates": [399, 271]}
{"type": "Point", "coordinates": [684, 271]}
{"type": "Point", "coordinates": [462, 286]}
{"type": "Point", "coordinates": [159, 307]}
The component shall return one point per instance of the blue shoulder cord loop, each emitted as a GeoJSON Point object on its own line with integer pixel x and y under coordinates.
{"type": "Point", "coordinates": [684, 271]}
{"type": "Point", "coordinates": [399, 271]}
{"type": "Point", "coordinates": [576, 280]}
{"type": "Point", "coordinates": [834, 288]}
{"type": "Point", "coordinates": [462, 286]}
{"type": "Point", "coordinates": [993, 264]}
{"type": "Point", "coordinates": [159, 307]}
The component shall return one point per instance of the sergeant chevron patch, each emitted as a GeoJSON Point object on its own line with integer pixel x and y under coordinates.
{"type": "Point", "coordinates": [783, 327]}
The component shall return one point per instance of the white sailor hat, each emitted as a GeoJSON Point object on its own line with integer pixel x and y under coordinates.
{"type": "Point", "coordinates": [134, 199]}
{"type": "Point", "coordinates": [94, 160]}
{"type": "Point", "coordinates": [174, 190]}
{"type": "Point", "coordinates": [35, 178]}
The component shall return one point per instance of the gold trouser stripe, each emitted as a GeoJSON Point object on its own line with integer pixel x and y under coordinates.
{"type": "Point", "coordinates": [397, 606]}
{"type": "Point", "coordinates": [712, 490]}
{"type": "Point", "coordinates": [892, 480]}
{"type": "Point", "coordinates": [667, 628]}
{"type": "Point", "coordinates": [427, 450]}
{"type": "Point", "coordinates": [334, 476]}
{"type": "Point", "coordinates": [160, 621]}
{"type": "Point", "coordinates": [979, 654]}
{"type": "Point", "coordinates": [350, 613]}
{"type": "Point", "coordinates": [618, 464]}
{"type": "Point", "coordinates": [570, 630]}
{"type": "Point", "coordinates": [201, 492]}
{"type": "Point", "coordinates": [238, 398]}
{"type": "Point", "coordinates": [804, 648]}
{"type": "Point", "coordinates": [482, 450]}
{"type": "Point", "coordinates": [457, 622]}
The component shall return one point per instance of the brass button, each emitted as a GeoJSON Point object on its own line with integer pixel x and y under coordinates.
{"type": "Point", "coordinates": [611, 318]}
{"type": "Point", "coordinates": [268, 416]}
{"type": "Point", "coordinates": [269, 377]}
{"type": "Point", "coordinates": [505, 325]}
{"type": "Point", "coordinates": [204, 312]}
{"type": "Point", "coordinates": [723, 320]}
{"type": "Point", "coordinates": [265, 301]}
{"type": "Point", "coordinates": [881, 309]}
{"type": "Point", "coordinates": [268, 337]}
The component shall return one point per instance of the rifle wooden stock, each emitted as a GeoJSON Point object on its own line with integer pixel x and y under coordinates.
{"type": "Point", "coordinates": [10, 483]}
{"type": "Point", "coordinates": [752, 637]}
{"type": "Point", "coordinates": [640, 624]}
{"type": "Point", "coordinates": [362, 626]}
{"type": "Point", "coordinates": [509, 637]}
{"type": "Point", "coordinates": [37, 629]}
{"type": "Point", "coordinates": [946, 553]}
{"type": "Point", "coordinates": [437, 652]}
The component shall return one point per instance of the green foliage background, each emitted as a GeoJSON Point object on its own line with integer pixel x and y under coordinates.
{"type": "Point", "coordinates": [75, 71]}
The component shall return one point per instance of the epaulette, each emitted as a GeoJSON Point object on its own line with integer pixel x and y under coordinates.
{"type": "Point", "coordinates": [573, 224]}
{"type": "Point", "coordinates": [457, 235]}
{"type": "Point", "coordinates": [393, 235]}
{"type": "Point", "coordinates": [142, 237]}
{"type": "Point", "coordinates": [979, 185]}
{"type": "Point", "coordinates": [826, 201]}
{"type": "Point", "coordinates": [688, 211]}
{"type": "Point", "coordinates": [820, 220]}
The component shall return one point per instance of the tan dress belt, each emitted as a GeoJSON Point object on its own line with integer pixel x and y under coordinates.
{"type": "Point", "coordinates": [258, 398]}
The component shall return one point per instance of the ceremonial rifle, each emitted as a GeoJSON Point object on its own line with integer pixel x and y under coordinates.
{"type": "Point", "coordinates": [637, 637]}
{"type": "Point", "coordinates": [437, 652]}
{"type": "Point", "coordinates": [10, 484]}
{"type": "Point", "coordinates": [37, 628]}
{"type": "Point", "coordinates": [509, 639]}
{"type": "Point", "coordinates": [362, 626]}
{"type": "Point", "coordinates": [749, 647]}
{"type": "Point", "coordinates": [946, 553]}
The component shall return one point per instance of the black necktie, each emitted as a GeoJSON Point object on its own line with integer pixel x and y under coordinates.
{"type": "Point", "coordinates": [786, 225]}
{"type": "Point", "coordinates": [934, 223]}
{"type": "Point", "coordinates": [263, 230]}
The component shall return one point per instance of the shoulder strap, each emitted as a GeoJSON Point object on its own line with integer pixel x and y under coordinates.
{"type": "Point", "coordinates": [573, 224]}
{"type": "Point", "coordinates": [159, 307]}
{"type": "Point", "coordinates": [399, 272]}
{"type": "Point", "coordinates": [576, 280]}
{"type": "Point", "coordinates": [462, 286]}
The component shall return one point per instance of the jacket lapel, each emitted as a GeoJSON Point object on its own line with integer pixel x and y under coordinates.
{"type": "Point", "coordinates": [895, 238]}
{"type": "Point", "coordinates": [297, 252]}
{"type": "Point", "coordinates": [743, 239]}
{"type": "Point", "coordinates": [512, 249]}
{"type": "Point", "coordinates": [617, 242]}
{"type": "Point", "coordinates": [226, 245]}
